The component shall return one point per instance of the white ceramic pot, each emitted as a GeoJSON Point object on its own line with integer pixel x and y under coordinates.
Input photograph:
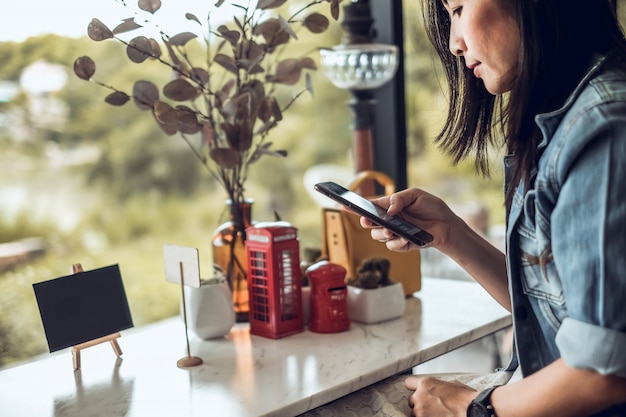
{"type": "Point", "coordinates": [376, 305]}
{"type": "Point", "coordinates": [210, 311]}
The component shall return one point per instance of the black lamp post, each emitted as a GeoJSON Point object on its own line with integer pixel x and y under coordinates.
{"type": "Point", "coordinates": [359, 65]}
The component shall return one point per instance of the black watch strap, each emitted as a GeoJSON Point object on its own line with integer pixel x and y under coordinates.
{"type": "Point", "coordinates": [481, 405]}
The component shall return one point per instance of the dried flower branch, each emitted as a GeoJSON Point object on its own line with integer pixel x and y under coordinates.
{"type": "Point", "coordinates": [234, 115]}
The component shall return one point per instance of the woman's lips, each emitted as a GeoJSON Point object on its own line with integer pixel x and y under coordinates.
{"type": "Point", "coordinates": [474, 69]}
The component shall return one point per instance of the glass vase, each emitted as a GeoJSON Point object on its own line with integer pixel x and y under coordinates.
{"type": "Point", "coordinates": [229, 252]}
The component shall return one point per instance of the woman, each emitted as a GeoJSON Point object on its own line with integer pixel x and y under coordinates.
{"type": "Point", "coordinates": [549, 77]}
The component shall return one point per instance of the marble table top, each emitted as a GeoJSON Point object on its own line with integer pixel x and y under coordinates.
{"type": "Point", "coordinates": [248, 375]}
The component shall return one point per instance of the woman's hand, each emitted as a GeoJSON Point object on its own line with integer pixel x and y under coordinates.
{"type": "Point", "coordinates": [433, 397]}
{"type": "Point", "coordinates": [419, 208]}
{"type": "Point", "coordinates": [451, 236]}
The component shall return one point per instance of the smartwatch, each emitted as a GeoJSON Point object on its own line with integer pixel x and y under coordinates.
{"type": "Point", "coordinates": [481, 405]}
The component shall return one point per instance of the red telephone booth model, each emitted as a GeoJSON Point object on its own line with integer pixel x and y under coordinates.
{"type": "Point", "coordinates": [274, 280]}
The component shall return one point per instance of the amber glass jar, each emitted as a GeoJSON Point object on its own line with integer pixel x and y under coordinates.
{"type": "Point", "coordinates": [229, 252]}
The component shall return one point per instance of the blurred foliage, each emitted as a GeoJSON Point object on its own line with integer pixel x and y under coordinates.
{"type": "Point", "coordinates": [22, 225]}
{"type": "Point", "coordinates": [145, 189]}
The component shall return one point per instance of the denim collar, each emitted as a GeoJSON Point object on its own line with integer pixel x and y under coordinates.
{"type": "Point", "coordinates": [548, 122]}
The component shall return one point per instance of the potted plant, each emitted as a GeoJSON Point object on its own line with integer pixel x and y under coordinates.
{"type": "Point", "coordinates": [372, 296]}
{"type": "Point", "coordinates": [226, 107]}
{"type": "Point", "coordinates": [210, 312]}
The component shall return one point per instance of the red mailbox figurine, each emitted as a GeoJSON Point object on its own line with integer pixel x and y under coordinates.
{"type": "Point", "coordinates": [329, 298]}
{"type": "Point", "coordinates": [274, 280]}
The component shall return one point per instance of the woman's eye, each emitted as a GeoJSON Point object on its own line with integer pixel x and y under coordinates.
{"type": "Point", "coordinates": [457, 11]}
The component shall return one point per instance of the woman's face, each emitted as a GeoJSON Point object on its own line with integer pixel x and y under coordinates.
{"type": "Point", "coordinates": [486, 35]}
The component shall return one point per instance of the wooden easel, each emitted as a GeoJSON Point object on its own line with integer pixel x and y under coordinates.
{"type": "Point", "coordinates": [76, 268]}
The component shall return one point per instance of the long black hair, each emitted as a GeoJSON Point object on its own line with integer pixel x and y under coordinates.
{"type": "Point", "coordinates": [558, 40]}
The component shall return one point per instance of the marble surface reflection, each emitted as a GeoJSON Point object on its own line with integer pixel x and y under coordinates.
{"type": "Point", "coordinates": [248, 375]}
{"type": "Point", "coordinates": [96, 396]}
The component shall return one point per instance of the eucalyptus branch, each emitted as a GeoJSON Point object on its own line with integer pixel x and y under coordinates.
{"type": "Point", "coordinates": [183, 53]}
{"type": "Point", "coordinates": [202, 159]}
{"type": "Point", "coordinates": [293, 100]}
{"type": "Point", "coordinates": [235, 83]}
{"type": "Point", "coordinates": [137, 15]}
{"type": "Point", "coordinates": [313, 3]}
{"type": "Point", "coordinates": [162, 61]}
{"type": "Point", "coordinates": [110, 87]}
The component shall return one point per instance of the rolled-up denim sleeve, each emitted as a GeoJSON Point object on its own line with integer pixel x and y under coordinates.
{"type": "Point", "coordinates": [586, 346]}
{"type": "Point", "coordinates": [589, 245]}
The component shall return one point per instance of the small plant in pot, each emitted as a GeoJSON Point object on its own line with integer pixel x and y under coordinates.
{"type": "Point", "coordinates": [210, 312]}
{"type": "Point", "coordinates": [372, 295]}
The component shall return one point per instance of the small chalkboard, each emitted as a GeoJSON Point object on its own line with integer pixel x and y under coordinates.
{"type": "Point", "coordinates": [82, 307]}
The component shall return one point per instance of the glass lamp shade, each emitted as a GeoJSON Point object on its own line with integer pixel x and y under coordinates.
{"type": "Point", "coordinates": [360, 66]}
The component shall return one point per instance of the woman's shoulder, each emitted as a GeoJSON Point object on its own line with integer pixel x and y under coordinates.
{"type": "Point", "coordinates": [595, 114]}
{"type": "Point", "coordinates": [601, 98]}
{"type": "Point", "coordinates": [609, 83]}
{"type": "Point", "coordinates": [603, 85]}
{"type": "Point", "coordinates": [605, 82]}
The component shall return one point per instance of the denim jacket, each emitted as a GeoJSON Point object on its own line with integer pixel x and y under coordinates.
{"type": "Point", "coordinates": [566, 234]}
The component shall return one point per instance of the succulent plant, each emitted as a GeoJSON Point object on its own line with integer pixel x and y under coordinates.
{"type": "Point", "coordinates": [372, 273]}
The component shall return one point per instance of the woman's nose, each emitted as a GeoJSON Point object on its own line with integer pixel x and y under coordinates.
{"type": "Point", "coordinates": [456, 42]}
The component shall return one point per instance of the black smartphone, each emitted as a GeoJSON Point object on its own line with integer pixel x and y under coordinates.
{"type": "Point", "coordinates": [375, 213]}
